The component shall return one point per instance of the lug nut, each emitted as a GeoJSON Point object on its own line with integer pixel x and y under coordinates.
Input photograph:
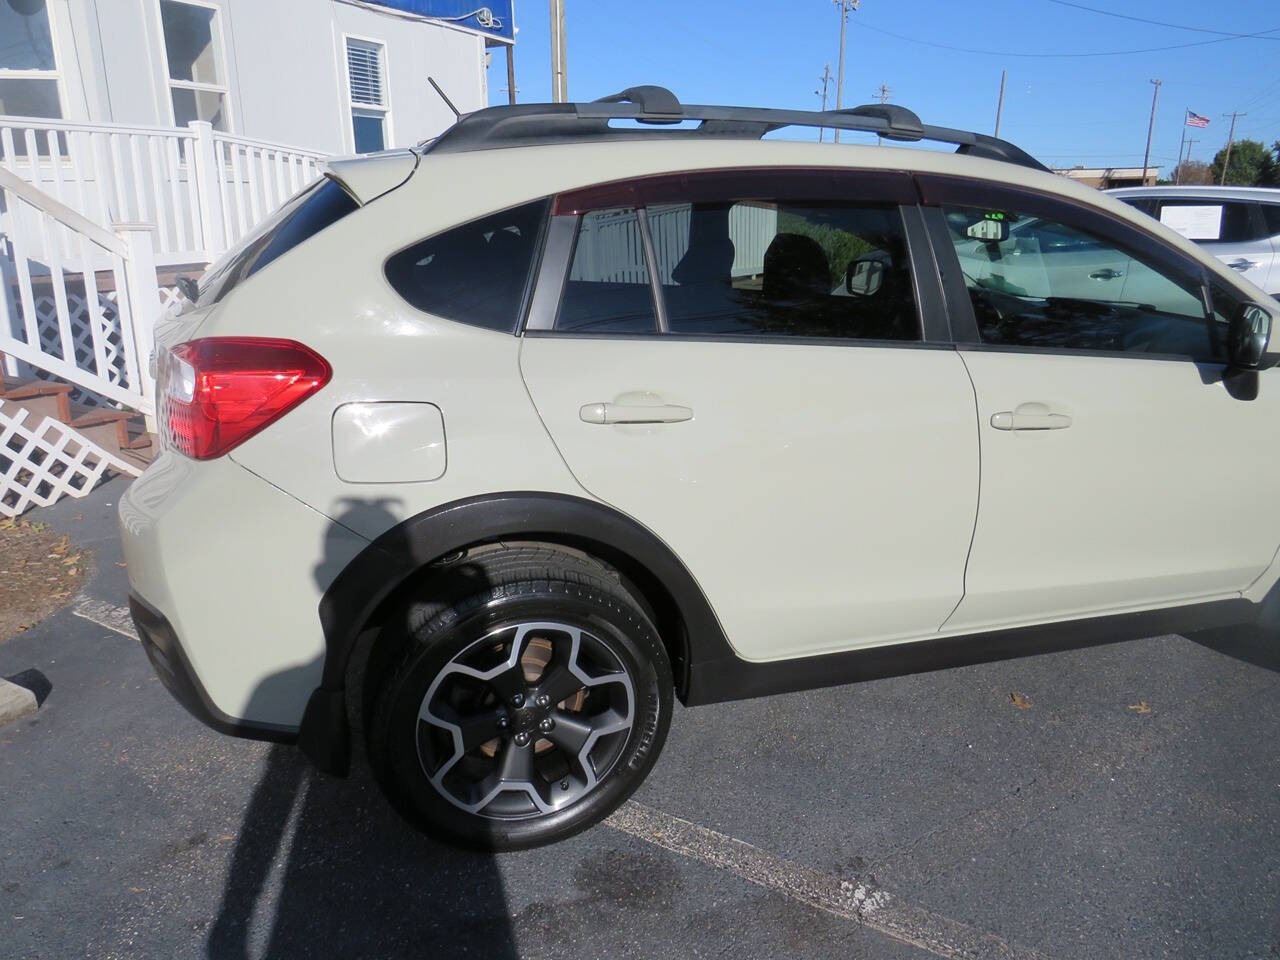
{"type": "Point", "coordinates": [564, 784]}
{"type": "Point", "coordinates": [522, 738]}
{"type": "Point", "coordinates": [518, 701]}
{"type": "Point", "coordinates": [502, 721]}
{"type": "Point", "coordinates": [546, 724]}
{"type": "Point", "coordinates": [543, 700]}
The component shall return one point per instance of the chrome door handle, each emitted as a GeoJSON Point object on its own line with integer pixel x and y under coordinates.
{"type": "Point", "coordinates": [634, 413]}
{"type": "Point", "coordinates": [1030, 416]}
{"type": "Point", "coordinates": [1106, 274]}
{"type": "Point", "coordinates": [1242, 264]}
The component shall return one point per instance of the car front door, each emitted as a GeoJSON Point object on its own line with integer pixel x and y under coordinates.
{"type": "Point", "coordinates": [704, 364]}
{"type": "Point", "coordinates": [1110, 443]}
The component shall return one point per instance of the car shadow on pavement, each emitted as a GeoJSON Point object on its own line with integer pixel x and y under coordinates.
{"type": "Point", "coordinates": [1253, 644]}
{"type": "Point", "coordinates": [324, 866]}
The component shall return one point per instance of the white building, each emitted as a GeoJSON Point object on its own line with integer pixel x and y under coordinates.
{"type": "Point", "coordinates": [330, 76]}
{"type": "Point", "coordinates": [139, 139]}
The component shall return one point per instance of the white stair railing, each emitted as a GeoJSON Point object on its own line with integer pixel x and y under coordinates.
{"type": "Point", "coordinates": [254, 177]}
{"type": "Point", "coordinates": [88, 317]}
{"type": "Point", "coordinates": [202, 189]}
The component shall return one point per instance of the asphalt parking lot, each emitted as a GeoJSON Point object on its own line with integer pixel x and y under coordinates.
{"type": "Point", "coordinates": [1123, 804]}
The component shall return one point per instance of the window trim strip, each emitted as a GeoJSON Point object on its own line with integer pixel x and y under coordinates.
{"type": "Point", "coordinates": [651, 267]}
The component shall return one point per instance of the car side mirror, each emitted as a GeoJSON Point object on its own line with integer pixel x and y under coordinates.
{"type": "Point", "coordinates": [864, 278]}
{"type": "Point", "coordinates": [1248, 335]}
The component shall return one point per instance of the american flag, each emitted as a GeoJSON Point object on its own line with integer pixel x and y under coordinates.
{"type": "Point", "coordinates": [1195, 120]}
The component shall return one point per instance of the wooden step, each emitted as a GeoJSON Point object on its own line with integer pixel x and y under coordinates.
{"type": "Point", "coordinates": [141, 451]}
{"type": "Point", "coordinates": [41, 398]}
{"type": "Point", "coordinates": [107, 425]}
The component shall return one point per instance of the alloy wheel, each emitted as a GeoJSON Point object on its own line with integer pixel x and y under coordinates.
{"type": "Point", "coordinates": [526, 720]}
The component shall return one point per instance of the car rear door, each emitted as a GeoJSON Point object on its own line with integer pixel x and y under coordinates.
{"type": "Point", "coordinates": [796, 440]}
{"type": "Point", "coordinates": [1234, 231]}
{"type": "Point", "coordinates": [1110, 441]}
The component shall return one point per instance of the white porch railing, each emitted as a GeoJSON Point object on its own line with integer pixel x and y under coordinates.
{"type": "Point", "coordinates": [253, 178]}
{"type": "Point", "coordinates": [88, 318]}
{"type": "Point", "coordinates": [202, 189]}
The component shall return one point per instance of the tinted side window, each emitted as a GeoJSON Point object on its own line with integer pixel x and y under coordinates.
{"type": "Point", "coordinates": [830, 269]}
{"type": "Point", "coordinates": [1147, 205]}
{"type": "Point", "coordinates": [608, 289]}
{"type": "Point", "coordinates": [1039, 283]}
{"type": "Point", "coordinates": [475, 273]}
{"type": "Point", "coordinates": [1209, 221]}
{"type": "Point", "coordinates": [1271, 214]}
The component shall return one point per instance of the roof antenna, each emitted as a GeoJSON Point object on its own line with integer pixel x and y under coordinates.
{"type": "Point", "coordinates": [457, 114]}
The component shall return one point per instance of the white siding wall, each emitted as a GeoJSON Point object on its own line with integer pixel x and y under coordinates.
{"type": "Point", "coordinates": [285, 66]}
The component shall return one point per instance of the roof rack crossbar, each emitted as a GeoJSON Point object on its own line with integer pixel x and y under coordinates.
{"type": "Point", "coordinates": [540, 123]}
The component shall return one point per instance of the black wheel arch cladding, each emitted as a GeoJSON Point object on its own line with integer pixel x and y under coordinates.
{"type": "Point", "coordinates": [686, 623]}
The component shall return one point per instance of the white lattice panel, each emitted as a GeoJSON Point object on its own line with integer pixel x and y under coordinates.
{"type": "Point", "coordinates": [112, 336]}
{"type": "Point", "coordinates": [82, 335]}
{"type": "Point", "coordinates": [40, 465]}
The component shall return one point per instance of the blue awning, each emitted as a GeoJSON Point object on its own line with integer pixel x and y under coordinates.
{"type": "Point", "coordinates": [495, 18]}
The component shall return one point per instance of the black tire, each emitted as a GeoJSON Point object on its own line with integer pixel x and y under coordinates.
{"type": "Point", "coordinates": [592, 628]}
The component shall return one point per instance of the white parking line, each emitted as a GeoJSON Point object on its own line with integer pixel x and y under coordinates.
{"type": "Point", "coordinates": [107, 615]}
{"type": "Point", "coordinates": [848, 898]}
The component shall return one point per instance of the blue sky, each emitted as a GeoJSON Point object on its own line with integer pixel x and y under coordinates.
{"type": "Point", "coordinates": [1065, 111]}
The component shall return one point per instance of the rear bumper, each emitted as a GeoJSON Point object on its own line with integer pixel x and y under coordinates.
{"type": "Point", "coordinates": [171, 665]}
{"type": "Point", "coordinates": [232, 570]}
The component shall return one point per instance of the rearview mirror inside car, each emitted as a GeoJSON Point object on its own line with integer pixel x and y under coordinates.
{"type": "Point", "coordinates": [1248, 334]}
{"type": "Point", "coordinates": [992, 228]}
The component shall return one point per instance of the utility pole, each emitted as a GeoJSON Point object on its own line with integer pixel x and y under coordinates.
{"type": "Point", "coordinates": [559, 58]}
{"type": "Point", "coordinates": [1177, 171]}
{"type": "Point", "coordinates": [826, 82]}
{"type": "Point", "coordinates": [1146, 157]}
{"type": "Point", "coordinates": [882, 95]}
{"type": "Point", "coordinates": [845, 6]}
{"type": "Point", "coordinates": [1231, 136]}
{"type": "Point", "coordinates": [511, 73]}
{"type": "Point", "coordinates": [1000, 102]}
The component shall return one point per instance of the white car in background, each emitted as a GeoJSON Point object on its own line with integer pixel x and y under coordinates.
{"type": "Point", "coordinates": [1238, 225]}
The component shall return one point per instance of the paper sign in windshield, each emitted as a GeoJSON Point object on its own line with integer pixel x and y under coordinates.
{"type": "Point", "coordinates": [1194, 223]}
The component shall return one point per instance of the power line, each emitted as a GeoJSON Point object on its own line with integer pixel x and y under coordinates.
{"type": "Point", "coordinates": [1101, 53]}
{"type": "Point", "coordinates": [1162, 23]}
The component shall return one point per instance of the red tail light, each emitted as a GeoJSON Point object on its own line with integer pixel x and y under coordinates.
{"type": "Point", "coordinates": [220, 391]}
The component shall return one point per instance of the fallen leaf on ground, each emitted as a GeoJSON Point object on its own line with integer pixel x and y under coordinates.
{"type": "Point", "coordinates": [1019, 701]}
{"type": "Point", "coordinates": [1140, 707]}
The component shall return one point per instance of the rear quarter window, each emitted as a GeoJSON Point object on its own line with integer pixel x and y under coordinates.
{"type": "Point", "coordinates": [476, 273]}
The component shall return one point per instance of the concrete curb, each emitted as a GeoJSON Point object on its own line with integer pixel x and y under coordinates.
{"type": "Point", "coordinates": [16, 702]}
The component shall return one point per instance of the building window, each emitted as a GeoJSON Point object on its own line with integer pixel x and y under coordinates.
{"type": "Point", "coordinates": [28, 68]}
{"type": "Point", "coordinates": [192, 43]}
{"type": "Point", "coordinates": [366, 72]}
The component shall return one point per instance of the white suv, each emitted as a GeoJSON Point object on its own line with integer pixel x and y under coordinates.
{"type": "Point", "coordinates": [1238, 225]}
{"type": "Point", "coordinates": [491, 449]}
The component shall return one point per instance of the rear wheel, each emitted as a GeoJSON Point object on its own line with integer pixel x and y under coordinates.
{"type": "Point", "coordinates": [527, 708]}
